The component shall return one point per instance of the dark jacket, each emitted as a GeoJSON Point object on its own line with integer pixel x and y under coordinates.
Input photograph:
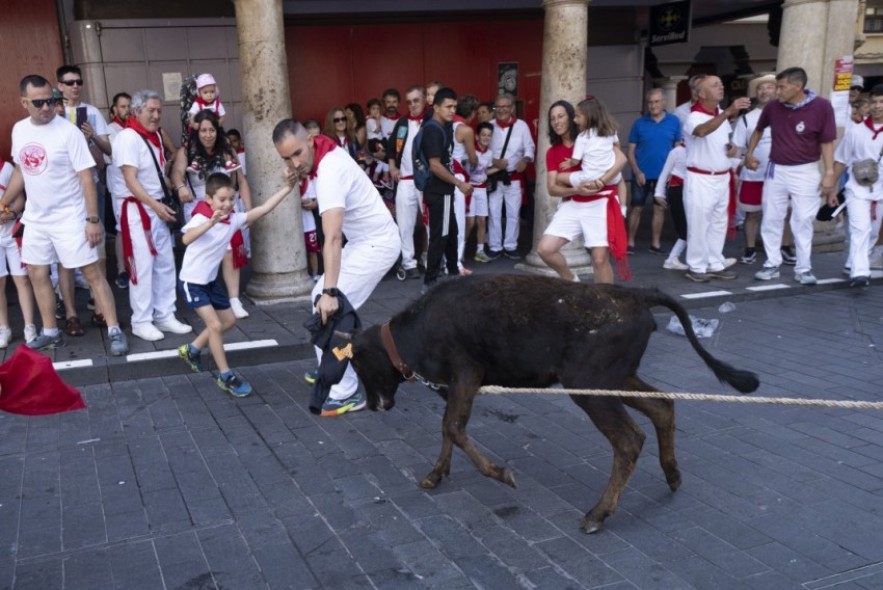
{"type": "Point", "coordinates": [395, 143]}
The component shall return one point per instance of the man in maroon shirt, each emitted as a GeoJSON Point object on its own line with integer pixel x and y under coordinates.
{"type": "Point", "coordinates": [803, 131]}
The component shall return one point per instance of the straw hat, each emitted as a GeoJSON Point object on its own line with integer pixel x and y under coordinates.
{"type": "Point", "coordinates": [752, 86]}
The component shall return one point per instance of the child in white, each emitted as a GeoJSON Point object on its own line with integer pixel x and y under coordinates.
{"type": "Point", "coordinates": [477, 209]}
{"type": "Point", "coordinates": [207, 239]}
{"type": "Point", "coordinates": [308, 204]}
{"type": "Point", "coordinates": [593, 147]}
{"type": "Point", "coordinates": [672, 176]}
{"type": "Point", "coordinates": [207, 98]}
{"type": "Point", "coordinates": [9, 212]}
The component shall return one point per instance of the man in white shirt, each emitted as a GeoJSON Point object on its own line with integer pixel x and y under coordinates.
{"type": "Point", "coordinates": [350, 205]}
{"type": "Point", "coordinates": [54, 166]}
{"type": "Point", "coordinates": [707, 192]}
{"type": "Point", "coordinates": [116, 185]}
{"type": "Point", "coordinates": [147, 242]}
{"type": "Point", "coordinates": [519, 152]}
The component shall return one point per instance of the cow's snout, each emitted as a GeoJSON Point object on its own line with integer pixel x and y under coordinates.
{"type": "Point", "coordinates": [387, 403]}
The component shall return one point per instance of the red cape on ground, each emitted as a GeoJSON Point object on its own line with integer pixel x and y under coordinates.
{"type": "Point", "coordinates": [30, 385]}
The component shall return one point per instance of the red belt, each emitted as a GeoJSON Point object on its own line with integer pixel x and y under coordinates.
{"type": "Point", "coordinates": [479, 185]}
{"type": "Point", "coordinates": [515, 176]}
{"type": "Point", "coordinates": [707, 172]}
{"type": "Point", "coordinates": [675, 180]}
{"type": "Point", "coordinates": [406, 178]}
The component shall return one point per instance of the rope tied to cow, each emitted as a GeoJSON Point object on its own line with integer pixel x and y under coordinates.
{"type": "Point", "coordinates": [739, 399]}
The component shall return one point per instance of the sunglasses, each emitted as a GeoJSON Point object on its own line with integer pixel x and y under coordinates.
{"type": "Point", "coordinates": [73, 82]}
{"type": "Point", "coordinates": [39, 103]}
{"type": "Point", "coordinates": [339, 119]}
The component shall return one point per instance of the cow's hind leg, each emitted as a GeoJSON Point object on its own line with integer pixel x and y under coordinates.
{"type": "Point", "coordinates": [626, 438]}
{"type": "Point", "coordinates": [457, 412]}
{"type": "Point", "coordinates": [662, 413]}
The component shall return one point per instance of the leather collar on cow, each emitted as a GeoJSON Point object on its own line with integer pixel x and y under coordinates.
{"type": "Point", "coordinates": [393, 353]}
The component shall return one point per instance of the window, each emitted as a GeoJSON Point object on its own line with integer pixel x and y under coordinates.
{"type": "Point", "coordinates": [874, 18]}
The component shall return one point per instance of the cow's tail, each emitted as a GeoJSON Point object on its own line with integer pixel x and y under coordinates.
{"type": "Point", "coordinates": [744, 381]}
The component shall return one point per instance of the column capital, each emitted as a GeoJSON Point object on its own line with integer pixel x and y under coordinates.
{"type": "Point", "coordinates": [789, 3]}
{"type": "Point", "coordinates": [669, 81]}
{"type": "Point", "coordinates": [552, 3]}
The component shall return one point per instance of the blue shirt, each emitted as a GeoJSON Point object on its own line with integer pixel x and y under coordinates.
{"type": "Point", "coordinates": [653, 141]}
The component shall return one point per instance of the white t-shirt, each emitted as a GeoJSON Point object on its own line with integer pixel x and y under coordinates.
{"type": "Point", "coordinates": [709, 152]}
{"type": "Point", "coordinates": [215, 106]}
{"type": "Point", "coordinates": [341, 183]}
{"type": "Point", "coordinates": [520, 146]}
{"type": "Point", "coordinates": [50, 156]}
{"type": "Point", "coordinates": [682, 111]}
{"type": "Point", "coordinates": [93, 117]}
{"type": "Point", "coordinates": [386, 126]}
{"type": "Point", "coordinates": [306, 215]}
{"type": "Point", "coordinates": [675, 165]}
{"type": "Point", "coordinates": [116, 184]}
{"type": "Point", "coordinates": [373, 130]}
{"type": "Point", "coordinates": [203, 256]}
{"type": "Point", "coordinates": [595, 153]}
{"type": "Point", "coordinates": [240, 155]}
{"type": "Point", "coordinates": [478, 173]}
{"type": "Point", "coordinates": [407, 167]}
{"type": "Point", "coordinates": [858, 144]}
{"type": "Point", "coordinates": [5, 176]}
{"type": "Point", "coordinates": [130, 149]}
{"type": "Point", "coordinates": [742, 130]}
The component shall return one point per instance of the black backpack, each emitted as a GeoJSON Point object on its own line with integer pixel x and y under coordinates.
{"type": "Point", "coordinates": [422, 173]}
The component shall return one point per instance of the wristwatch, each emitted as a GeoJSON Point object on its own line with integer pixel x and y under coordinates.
{"type": "Point", "coordinates": [333, 291]}
{"type": "Point", "coordinates": [93, 219]}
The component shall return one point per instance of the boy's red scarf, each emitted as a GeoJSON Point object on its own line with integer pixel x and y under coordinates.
{"type": "Point", "coordinates": [237, 243]}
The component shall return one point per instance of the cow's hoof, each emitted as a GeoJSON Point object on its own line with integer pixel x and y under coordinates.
{"type": "Point", "coordinates": [674, 485]}
{"type": "Point", "coordinates": [589, 526]}
{"type": "Point", "coordinates": [508, 477]}
{"type": "Point", "coordinates": [430, 482]}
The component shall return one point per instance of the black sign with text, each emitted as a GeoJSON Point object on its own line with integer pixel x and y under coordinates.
{"type": "Point", "coordinates": [670, 23]}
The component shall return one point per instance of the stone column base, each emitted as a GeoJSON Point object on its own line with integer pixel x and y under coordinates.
{"type": "Point", "coordinates": [577, 259]}
{"type": "Point", "coordinates": [271, 288]}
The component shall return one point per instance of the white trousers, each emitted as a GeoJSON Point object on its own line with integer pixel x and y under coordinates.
{"type": "Point", "coordinates": [801, 184]}
{"type": "Point", "coordinates": [706, 198]}
{"type": "Point", "coordinates": [362, 266]}
{"type": "Point", "coordinates": [460, 216]}
{"type": "Point", "coordinates": [511, 196]}
{"type": "Point", "coordinates": [409, 204]}
{"type": "Point", "coordinates": [153, 298]}
{"type": "Point", "coordinates": [863, 232]}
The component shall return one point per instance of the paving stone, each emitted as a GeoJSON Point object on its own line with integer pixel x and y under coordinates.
{"type": "Point", "coordinates": [134, 566]}
{"type": "Point", "coordinates": [232, 565]}
{"type": "Point", "coordinates": [83, 526]}
{"type": "Point", "coordinates": [87, 570]}
{"type": "Point", "coordinates": [39, 574]}
{"type": "Point", "coordinates": [182, 562]}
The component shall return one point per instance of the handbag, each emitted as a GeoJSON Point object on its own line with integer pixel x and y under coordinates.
{"type": "Point", "coordinates": [501, 176]}
{"type": "Point", "coordinates": [866, 172]}
{"type": "Point", "coordinates": [169, 199]}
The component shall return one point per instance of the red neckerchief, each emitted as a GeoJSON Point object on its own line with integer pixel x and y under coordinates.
{"type": "Point", "coordinates": [504, 125]}
{"type": "Point", "coordinates": [459, 119]}
{"type": "Point", "coordinates": [698, 108]}
{"type": "Point", "coordinates": [322, 146]}
{"type": "Point", "coordinates": [418, 117]}
{"type": "Point", "coordinates": [480, 149]}
{"type": "Point", "coordinates": [870, 125]}
{"type": "Point", "coordinates": [237, 242]}
{"type": "Point", "coordinates": [154, 138]}
{"type": "Point", "coordinates": [119, 122]}
{"type": "Point", "coordinates": [240, 150]}
{"type": "Point", "coordinates": [206, 105]}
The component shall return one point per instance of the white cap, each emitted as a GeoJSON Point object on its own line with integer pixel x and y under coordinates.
{"type": "Point", "coordinates": [857, 82]}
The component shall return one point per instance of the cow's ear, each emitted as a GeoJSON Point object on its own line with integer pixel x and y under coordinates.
{"type": "Point", "coordinates": [348, 336]}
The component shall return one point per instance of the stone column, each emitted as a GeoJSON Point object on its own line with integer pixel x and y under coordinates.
{"type": "Point", "coordinates": [814, 34]}
{"type": "Point", "coordinates": [565, 47]}
{"type": "Point", "coordinates": [669, 87]}
{"type": "Point", "coordinates": [85, 40]}
{"type": "Point", "coordinates": [278, 260]}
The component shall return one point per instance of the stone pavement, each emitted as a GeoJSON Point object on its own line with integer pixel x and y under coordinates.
{"type": "Point", "coordinates": [167, 483]}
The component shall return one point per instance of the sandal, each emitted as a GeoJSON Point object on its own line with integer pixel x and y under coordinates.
{"type": "Point", "coordinates": [73, 327]}
{"type": "Point", "coordinates": [98, 320]}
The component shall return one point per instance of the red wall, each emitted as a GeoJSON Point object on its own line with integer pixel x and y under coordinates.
{"type": "Point", "coordinates": [30, 44]}
{"type": "Point", "coordinates": [335, 64]}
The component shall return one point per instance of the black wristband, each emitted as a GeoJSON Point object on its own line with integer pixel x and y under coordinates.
{"type": "Point", "coordinates": [333, 291]}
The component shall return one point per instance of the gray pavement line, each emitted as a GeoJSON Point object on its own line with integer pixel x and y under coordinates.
{"type": "Point", "coordinates": [706, 397]}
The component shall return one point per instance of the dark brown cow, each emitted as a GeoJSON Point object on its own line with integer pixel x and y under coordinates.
{"type": "Point", "coordinates": [520, 331]}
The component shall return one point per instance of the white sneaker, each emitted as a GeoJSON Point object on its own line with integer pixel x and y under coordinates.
{"type": "Point", "coordinates": [805, 278]}
{"type": "Point", "coordinates": [728, 262]}
{"type": "Point", "coordinates": [238, 310]}
{"type": "Point", "coordinates": [674, 265]}
{"type": "Point", "coordinates": [5, 336]}
{"type": "Point", "coordinates": [30, 333]}
{"type": "Point", "coordinates": [174, 326]}
{"type": "Point", "coordinates": [147, 332]}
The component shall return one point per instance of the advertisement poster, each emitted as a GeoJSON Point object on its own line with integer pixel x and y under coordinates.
{"type": "Point", "coordinates": [843, 68]}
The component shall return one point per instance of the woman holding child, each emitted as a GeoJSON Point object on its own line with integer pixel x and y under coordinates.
{"type": "Point", "coordinates": [592, 209]}
{"type": "Point", "coordinates": [205, 152]}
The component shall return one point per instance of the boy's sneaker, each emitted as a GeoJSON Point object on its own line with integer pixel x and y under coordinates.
{"type": "Point", "coordinates": [494, 254]}
{"type": "Point", "coordinates": [122, 280]}
{"type": "Point", "coordinates": [5, 336]}
{"type": "Point", "coordinates": [788, 255]}
{"type": "Point", "coordinates": [750, 256]}
{"type": "Point", "coordinates": [118, 344]}
{"type": "Point", "coordinates": [511, 254]}
{"type": "Point", "coordinates": [311, 376]}
{"type": "Point", "coordinates": [805, 278]}
{"type": "Point", "coordinates": [193, 360]}
{"type": "Point", "coordinates": [336, 407]}
{"type": "Point", "coordinates": [44, 342]}
{"type": "Point", "coordinates": [234, 385]}
{"type": "Point", "coordinates": [231, 166]}
{"type": "Point", "coordinates": [674, 265]}
{"type": "Point", "coordinates": [697, 277]}
{"type": "Point", "coordinates": [481, 256]}
{"type": "Point", "coordinates": [767, 273]}
{"type": "Point", "coordinates": [238, 311]}
{"type": "Point", "coordinates": [30, 333]}
{"type": "Point", "coordinates": [860, 281]}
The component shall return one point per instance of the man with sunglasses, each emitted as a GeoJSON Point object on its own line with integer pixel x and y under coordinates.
{"type": "Point", "coordinates": [61, 213]}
